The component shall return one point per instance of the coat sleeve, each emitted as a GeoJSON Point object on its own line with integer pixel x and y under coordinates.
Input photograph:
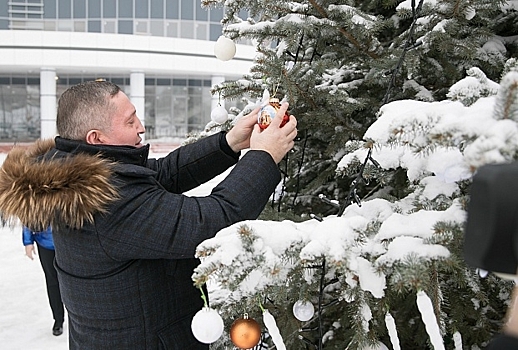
{"type": "Point", "coordinates": [150, 222]}
{"type": "Point", "coordinates": [191, 165]}
{"type": "Point", "coordinates": [27, 236]}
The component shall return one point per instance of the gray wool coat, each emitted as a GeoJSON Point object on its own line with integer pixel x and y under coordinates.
{"type": "Point", "coordinates": [125, 236]}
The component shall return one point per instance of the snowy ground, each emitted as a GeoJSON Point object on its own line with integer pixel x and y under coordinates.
{"type": "Point", "coordinates": [25, 316]}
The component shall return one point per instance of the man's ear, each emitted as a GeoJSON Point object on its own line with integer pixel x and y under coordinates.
{"type": "Point", "coordinates": [93, 137]}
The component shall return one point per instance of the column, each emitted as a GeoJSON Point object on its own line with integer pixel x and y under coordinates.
{"type": "Point", "coordinates": [48, 103]}
{"type": "Point", "coordinates": [215, 80]}
{"type": "Point", "coordinates": [138, 94]}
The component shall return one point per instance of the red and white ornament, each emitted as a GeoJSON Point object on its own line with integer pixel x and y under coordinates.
{"type": "Point", "coordinates": [270, 106]}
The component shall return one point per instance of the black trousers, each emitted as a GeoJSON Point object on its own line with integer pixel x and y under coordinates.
{"type": "Point", "coordinates": [51, 279]}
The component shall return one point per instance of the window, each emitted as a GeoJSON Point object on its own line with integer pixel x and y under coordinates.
{"type": "Point", "coordinates": [79, 9]}
{"type": "Point", "coordinates": [202, 14]}
{"type": "Point", "coordinates": [4, 9]}
{"type": "Point", "coordinates": [109, 27]}
{"type": "Point", "coordinates": [157, 28]}
{"type": "Point", "coordinates": [94, 26]}
{"type": "Point", "coordinates": [201, 31]}
{"type": "Point", "coordinates": [125, 27]}
{"type": "Point", "coordinates": [141, 9]}
{"type": "Point", "coordinates": [79, 26]}
{"type": "Point", "coordinates": [49, 25]}
{"type": "Point", "coordinates": [187, 30]}
{"type": "Point", "coordinates": [171, 9]}
{"type": "Point", "coordinates": [94, 8]}
{"type": "Point", "coordinates": [125, 8]}
{"type": "Point", "coordinates": [65, 25]}
{"type": "Point", "coordinates": [49, 9]}
{"type": "Point", "coordinates": [215, 31]}
{"type": "Point", "coordinates": [19, 109]}
{"type": "Point", "coordinates": [141, 27]}
{"type": "Point", "coordinates": [187, 9]}
{"type": "Point", "coordinates": [172, 29]}
{"type": "Point", "coordinates": [216, 14]}
{"type": "Point", "coordinates": [65, 9]}
{"type": "Point", "coordinates": [157, 8]}
{"type": "Point", "coordinates": [109, 8]}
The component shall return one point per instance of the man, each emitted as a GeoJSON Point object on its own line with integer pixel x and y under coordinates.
{"type": "Point", "coordinates": [124, 234]}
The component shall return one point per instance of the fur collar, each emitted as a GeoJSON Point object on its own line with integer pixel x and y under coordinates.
{"type": "Point", "coordinates": [41, 190]}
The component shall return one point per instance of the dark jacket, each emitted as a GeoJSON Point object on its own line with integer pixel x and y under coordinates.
{"type": "Point", "coordinates": [125, 237]}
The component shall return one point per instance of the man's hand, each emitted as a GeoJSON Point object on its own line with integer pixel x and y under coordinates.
{"type": "Point", "coordinates": [29, 251]}
{"type": "Point", "coordinates": [238, 138]}
{"type": "Point", "coordinates": [275, 139]}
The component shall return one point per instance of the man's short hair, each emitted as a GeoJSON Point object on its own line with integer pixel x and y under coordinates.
{"type": "Point", "coordinates": [84, 107]}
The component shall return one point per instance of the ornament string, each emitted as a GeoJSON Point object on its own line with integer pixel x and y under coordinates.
{"type": "Point", "coordinates": [320, 302]}
{"type": "Point", "coordinates": [353, 195]}
{"type": "Point", "coordinates": [301, 162]}
{"type": "Point", "coordinates": [203, 296]}
{"type": "Point", "coordinates": [409, 45]}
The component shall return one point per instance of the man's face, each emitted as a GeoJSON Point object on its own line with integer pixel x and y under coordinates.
{"type": "Point", "coordinates": [125, 125]}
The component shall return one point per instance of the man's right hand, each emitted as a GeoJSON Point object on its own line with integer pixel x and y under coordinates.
{"type": "Point", "coordinates": [275, 140]}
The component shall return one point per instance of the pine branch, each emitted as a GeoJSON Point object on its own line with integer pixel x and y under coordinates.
{"type": "Point", "coordinates": [344, 32]}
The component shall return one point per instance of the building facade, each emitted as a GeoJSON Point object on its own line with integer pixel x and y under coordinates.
{"type": "Point", "coordinates": [161, 53]}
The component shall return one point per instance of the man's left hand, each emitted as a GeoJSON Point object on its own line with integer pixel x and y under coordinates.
{"type": "Point", "coordinates": [238, 137]}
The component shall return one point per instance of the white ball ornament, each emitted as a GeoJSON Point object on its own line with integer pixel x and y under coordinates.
{"type": "Point", "coordinates": [224, 49]}
{"type": "Point", "coordinates": [219, 115]}
{"type": "Point", "coordinates": [303, 310]}
{"type": "Point", "coordinates": [207, 325]}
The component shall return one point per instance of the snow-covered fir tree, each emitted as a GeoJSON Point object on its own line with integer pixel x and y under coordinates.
{"type": "Point", "coordinates": [398, 103]}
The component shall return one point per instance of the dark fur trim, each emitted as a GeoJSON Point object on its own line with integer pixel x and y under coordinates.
{"type": "Point", "coordinates": [41, 192]}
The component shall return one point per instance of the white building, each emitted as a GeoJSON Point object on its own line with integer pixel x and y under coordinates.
{"type": "Point", "coordinates": [160, 52]}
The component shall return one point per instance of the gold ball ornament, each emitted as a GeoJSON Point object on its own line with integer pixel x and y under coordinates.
{"type": "Point", "coordinates": [245, 332]}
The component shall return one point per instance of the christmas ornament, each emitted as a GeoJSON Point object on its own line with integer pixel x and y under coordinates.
{"type": "Point", "coordinates": [207, 325]}
{"type": "Point", "coordinates": [273, 330]}
{"type": "Point", "coordinates": [245, 332]}
{"type": "Point", "coordinates": [392, 331]}
{"type": "Point", "coordinates": [303, 310]}
{"type": "Point", "coordinates": [219, 115]}
{"type": "Point", "coordinates": [224, 49]}
{"type": "Point", "coordinates": [269, 109]}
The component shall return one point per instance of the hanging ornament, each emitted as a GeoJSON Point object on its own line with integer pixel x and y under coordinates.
{"type": "Point", "coordinates": [245, 332]}
{"type": "Point", "coordinates": [207, 325]}
{"type": "Point", "coordinates": [303, 310]}
{"type": "Point", "coordinates": [270, 106]}
{"type": "Point", "coordinates": [273, 330]}
{"type": "Point", "coordinates": [219, 114]}
{"type": "Point", "coordinates": [482, 273]}
{"type": "Point", "coordinates": [392, 331]}
{"type": "Point", "coordinates": [224, 49]}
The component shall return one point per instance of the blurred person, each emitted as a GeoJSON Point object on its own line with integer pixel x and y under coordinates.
{"type": "Point", "coordinates": [45, 252]}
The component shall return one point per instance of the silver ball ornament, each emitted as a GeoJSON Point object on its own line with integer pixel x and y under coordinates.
{"type": "Point", "coordinates": [303, 310]}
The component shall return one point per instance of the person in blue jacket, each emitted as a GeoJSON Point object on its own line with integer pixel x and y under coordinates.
{"type": "Point", "coordinates": [46, 253]}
